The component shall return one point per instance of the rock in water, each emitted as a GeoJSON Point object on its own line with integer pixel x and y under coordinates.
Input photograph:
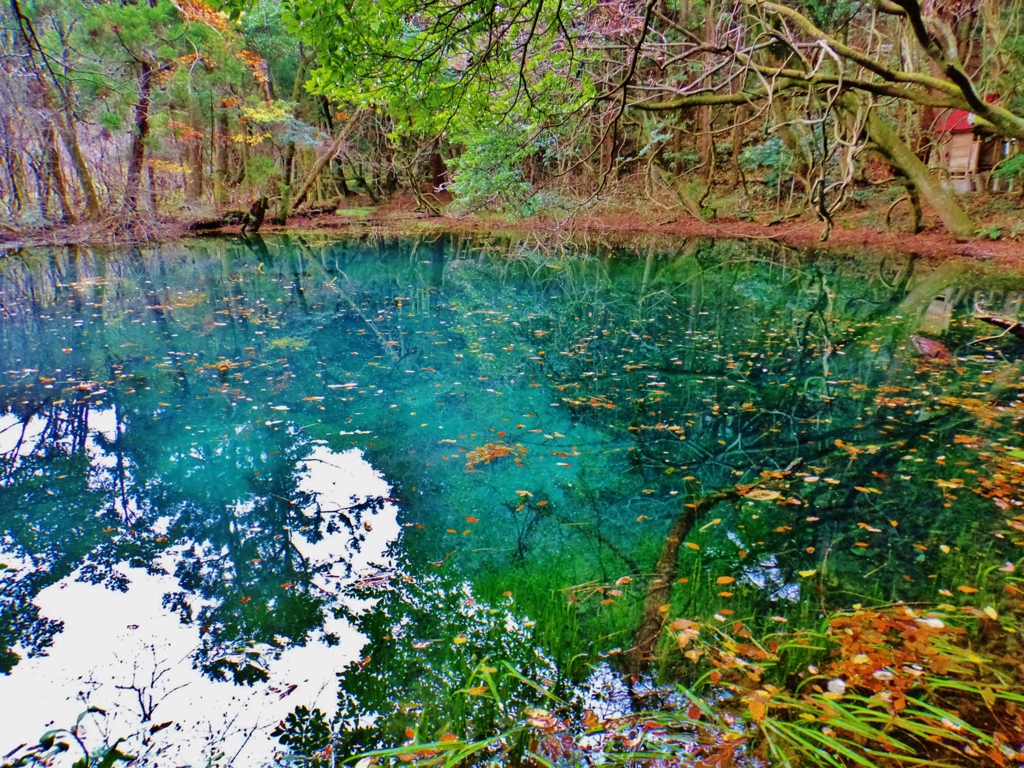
{"type": "Point", "coordinates": [933, 350]}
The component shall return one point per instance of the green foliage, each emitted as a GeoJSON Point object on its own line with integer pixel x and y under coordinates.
{"type": "Point", "coordinates": [303, 732]}
{"type": "Point", "coordinates": [261, 171]}
{"type": "Point", "coordinates": [489, 172]}
{"type": "Point", "coordinates": [1011, 168]}
{"type": "Point", "coordinates": [440, 661]}
{"type": "Point", "coordinates": [771, 154]}
{"type": "Point", "coordinates": [60, 743]}
{"type": "Point", "coordinates": [444, 68]}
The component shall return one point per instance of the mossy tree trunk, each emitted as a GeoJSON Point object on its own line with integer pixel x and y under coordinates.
{"type": "Point", "coordinates": [942, 200]}
{"type": "Point", "coordinates": [220, 162]}
{"type": "Point", "coordinates": [140, 132]}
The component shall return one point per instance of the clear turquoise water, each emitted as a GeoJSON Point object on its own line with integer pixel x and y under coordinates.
{"type": "Point", "coordinates": [538, 422]}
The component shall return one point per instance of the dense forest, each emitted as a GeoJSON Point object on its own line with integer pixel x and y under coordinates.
{"type": "Point", "coordinates": [124, 112]}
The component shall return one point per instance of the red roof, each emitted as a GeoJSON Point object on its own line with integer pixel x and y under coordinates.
{"type": "Point", "coordinates": [955, 121]}
{"type": "Point", "coordinates": [960, 120]}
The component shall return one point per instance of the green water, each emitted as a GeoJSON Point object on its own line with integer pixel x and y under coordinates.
{"type": "Point", "coordinates": [613, 387]}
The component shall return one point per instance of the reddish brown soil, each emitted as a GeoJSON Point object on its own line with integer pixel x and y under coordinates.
{"type": "Point", "coordinates": [399, 217]}
{"type": "Point", "coordinates": [626, 227]}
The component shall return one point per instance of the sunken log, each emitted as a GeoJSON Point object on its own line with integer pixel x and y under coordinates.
{"type": "Point", "coordinates": [1008, 325]}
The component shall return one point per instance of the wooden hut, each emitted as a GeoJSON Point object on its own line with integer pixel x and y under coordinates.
{"type": "Point", "coordinates": [965, 154]}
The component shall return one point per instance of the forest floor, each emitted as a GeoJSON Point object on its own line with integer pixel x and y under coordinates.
{"type": "Point", "coordinates": [1002, 241]}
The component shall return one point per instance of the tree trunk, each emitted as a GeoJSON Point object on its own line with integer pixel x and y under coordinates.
{"type": "Point", "coordinates": [194, 153]}
{"type": "Point", "coordinates": [339, 178]}
{"type": "Point", "coordinates": [942, 200]}
{"type": "Point", "coordinates": [16, 171]}
{"type": "Point", "coordinates": [243, 164]}
{"type": "Point", "coordinates": [738, 131]}
{"type": "Point", "coordinates": [55, 172]}
{"type": "Point", "coordinates": [65, 126]}
{"type": "Point", "coordinates": [288, 168]}
{"type": "Point", "coordinates": [137, 153]}
{"type": "Point", "coordinates": [62, 118]}
{"type": "Point", "coordinates": [195, 161]}
{"type": "Point", "coordinates": [220, 164]}
{"type": "Point", "coordinates": [320, 163]}
{"type": "Point", "coordinates": [152, 190]}
{"type": "Point", "coordinates": [792, 140]}
{"type": "Point", "coordinates": [705, 141]}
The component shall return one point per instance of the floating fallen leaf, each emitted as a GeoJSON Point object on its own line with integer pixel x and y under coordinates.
{"type": "Point", "coordinates": [762, 494]}
{"type": "Point", "coordinates": [757, 703]}
{"type": "Point", "coordinates": [837, 687]}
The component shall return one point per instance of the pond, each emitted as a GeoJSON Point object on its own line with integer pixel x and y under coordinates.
{"type": "Point", "coordinates": [295, 498]}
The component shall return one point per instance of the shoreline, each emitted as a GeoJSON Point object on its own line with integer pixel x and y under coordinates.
{"type": "Point", "coordinates": [617, 228]}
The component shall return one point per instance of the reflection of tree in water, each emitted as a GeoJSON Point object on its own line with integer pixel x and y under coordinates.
{"type": "Point", "coordinates": [627, 388]}
{"type": "Point", "coordinates": [699, 371]}
{"type": "Point", "coordinates": [223, 514]}
{"type": "Point", "coordinates": [433, 658]}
